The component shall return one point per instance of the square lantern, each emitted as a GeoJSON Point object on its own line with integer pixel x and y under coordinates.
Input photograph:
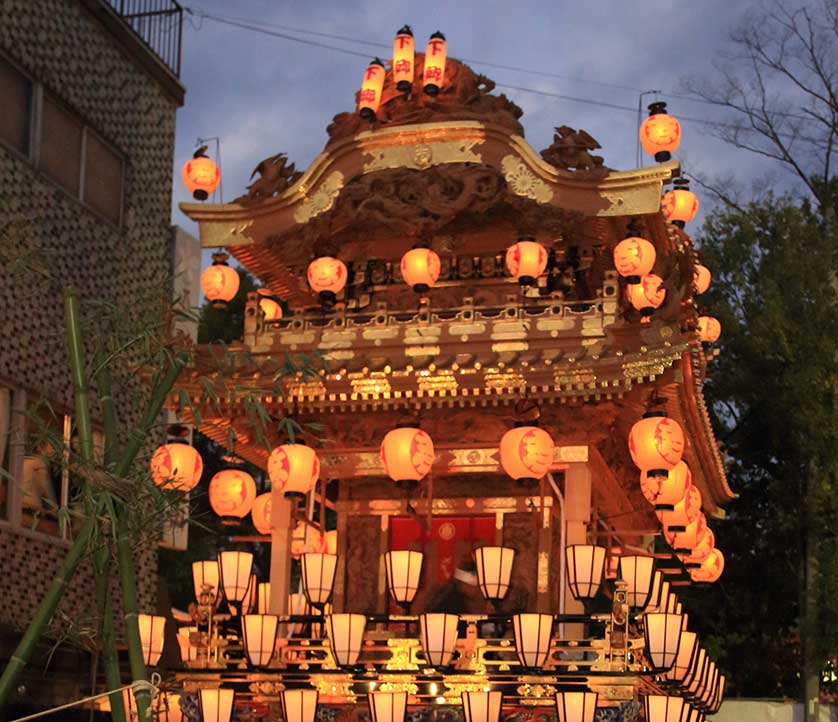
{"type": "Point", "coordinates": [234, 571]}
{"type": "Point", "coordinates": [404, 568]}
{"type": "Point", "coordinates": [205, 579]}
{"type": "Point", "coordinates": [318, 572]}
{"type": "Point", "coordinates": [259, 636]}
{"type": "Point", "coordinates": [188, 652]}
{"type": "Point", "coordinates": [693, 678]}
{"type": "Point", "coordinates": [532, 638]}
{"type": "Point", "coordinates": [663, 638]}
{"type": "Point", "coordinates": [299, 705]}
{"type": "Point", "coordinates": [494, 570]}
{"type": "Point", "coordinates": [654, 598]}
{"type": "Point", "coordinates": [662, 708]}
{"type": "Point", "coordinates": [438, 634]}
{"type": "Point", "coordinates": [387, 706]}
{"type": "Point", "coordinates": [684, 659]}
{"type": "Point", "coordinates": [216, 704]}
{"type": "Point", "coordinates": [263, 597]}
{"type": "Point", "coordinates": [576, 706]}
{"type": "Point", "coordinates": [346, 635]}
{"type": "Point", "coordinates": [482, 706]}
{"type": "Point", "coordinates": [585, 567]}
{"type": "Point", "coordinates": [637, 572]}
{"type": "Point", "coordinates": [152, 629]}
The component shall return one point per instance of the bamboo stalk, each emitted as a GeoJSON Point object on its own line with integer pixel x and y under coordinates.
{"type": "Point", "coordinates": [75, 350]}
{"type": "Point", "coordinates": [106, 404]}
{"type": "Point", "coordinates": [110, 657]}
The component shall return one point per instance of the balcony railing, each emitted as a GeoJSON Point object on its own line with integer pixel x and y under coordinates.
{"type": "Point", "coordinates": [158, 23]}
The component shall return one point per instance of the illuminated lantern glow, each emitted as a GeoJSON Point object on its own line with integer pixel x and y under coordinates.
{"type": "Point", "coordinates": [720, 694]}
{"type": "Point", "coordinates": [420, 269]}
{"type": "Point", "coordinates": [532, 638]}
{"type": "Point", "coordinates": [188, 652]}
{"type": "Point", "coordinates": [711, 568]}
{"type": "Point", "coordinates": [235, 569]}
{"type": "Point", "coordinates": [434, 72]}
{"type": "Point", "coordinates": [269, 305]}
{"type": "Point", "coordinates": [404, 568]}
{"type": "Point", "coordinates": [369, 99]}
{"type": "Point", "coordinates": [709, 329]}
{"type": "Point", "coordinates": [684, 513]}
{"type": "Point", "coordinates": [693, 676]}
{"type": "Point", "coordinates": [526, 261]}
{"type": "Point", "coordinates": [152, 629]}
{"type": "Point", "coordinates": [576, 706]}
{"type": "Point", "coordinates": [679, 206]}
{"type": "Point", "coordinates": [663, 491]}
{"type": "Point", "coordinates": [327, 277]}
{"type": "Point", "coordinates": [176, 466]}
{"type": "Point", "coordinates": [705, 543]}
{"type": "Point", "coordinates": [634, 258]}
{"type": "Point", "coordinates": [387, 706]}
{"type": "Point", "coordinates": [407, 454]}
{"type": "Point", "coordinates": [205, 579]}
{"type": "Point", "coordinates": [231, 495]}
{"type": "Point", "coordinates": [647, 295]}
{"type": "Point", "coordinates": [661, 708]}
{"type": "Point", "coordinates": [702, 278]}
{"type": "Point", "coordinates": [482, 706]}
{"type": "Point", "coordinates": [662, 632]}
{"type": "Point", "coordinates": [653, 605]}
{"type": "Point", "coordinates": [585, 564]}
{"type": "Point", "coordinates": [201, 176]}
{"type": "Point", "coordinates": [404, 59]}
{"type": "Point", "coordinates": [260, 513]}
{"type": "Point", "coordinates": [656, 443]}
{"type": "Point", "coordinates": [316, 543]}
{"type": "Point", "coordinates": [216, 705]}
{"type": "Point", "coordinates": [685, 541]}
{"type": "Point", "coordinates": [684, 660]}
{"type": "Point", "coordinates": [494, 570]}
{"type": "Point", "coordinates": [259, 636]}
{"type": "Point", "coordinates": [346, 634]}
{"type": "Point", "coordinates": [660, 133]}
{"type": "Point", "coordinates": [219, 282]}
{"type": "Point", "coordinates": [526, 453]}
{"type": "Point", "coordinates": [263, 597]}
{"type": "Point", "coordinates": [638, 573]}
{"type": "Point", "coordinates": [299, 705]}
{"type": "Point", "coordinates": [331, 541]}
{"type": "Point", "coordinates": [293, 468]}
{"type": "Point", "coordinates": [318, 572]}
{"type": "Point", "coordinates": [438, 634]}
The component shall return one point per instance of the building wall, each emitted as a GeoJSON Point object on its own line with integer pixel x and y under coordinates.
{"type": "Point", "coordinates": [65, 49]}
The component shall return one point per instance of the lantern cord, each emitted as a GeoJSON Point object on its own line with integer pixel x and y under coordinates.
{"type": "Point", "coordinates": [140, 685]}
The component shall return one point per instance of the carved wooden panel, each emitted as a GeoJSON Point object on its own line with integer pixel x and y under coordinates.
{"type": "Point", "coordinates": [520, 531]}
{"type": "Point", "coordinates": [362, 549]}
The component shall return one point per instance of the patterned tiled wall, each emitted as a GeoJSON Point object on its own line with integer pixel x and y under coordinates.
{"type": "Point", "coordinates": [62, 45]}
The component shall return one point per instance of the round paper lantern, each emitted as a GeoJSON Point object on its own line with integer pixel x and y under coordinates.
{"type": "Point", "coordinates": [316, 543]}
{"type": "Point", "coordinates": [702, 278]}
{"type": "Point", "coordinates": [684, 513]}
{"type": "Point", "coordinates": [656, 443]}
{"type": "Point", "coordinates": [407, 454]}
{"type": "Point", "coordinates": [269, 305]}
{"type": "Point", "coordinates": [201, 176]}
{"type": "Point", "coordinates": [294, 468]}
{"type": "Point", "coordinates": [679, 206]}
{"type": "Point", "coordinates": [711, 568]}
{"type": "Point", "coordinates": [420, 269]}
{"type": "Point", "coordinates": [176, 466]}
{"type": "Point", "coordinates": [526, 261]}
{"type": "Point", "coordinates": [435, 54]}
{"type": "Point", "coordinates": [219, 282]}
{"type": "Point", "coordinates": [685, 541]}
{"type": "Point", "coordinates": [260, 513]}
{"type": "Point", "coordinates": [526, 453]}
{"type": "Point", "coordinates": [705, 543]}
{"type": "Point", "coordinates": [634, 258]}
{"type": "Point", "coordinates": [660, 133]}
{"type": "Point", "coordinates": [231, 494]}
{"type": "Point", "coordinates": [647, 295]}
{"type": "Point", "coordinates": [666, 490]}
{"type": "Point", "coordinates": [369, 99]}
{"type": "Point", "coordinates": [404, 59]}
{"type": "Point", "coordinates": [709, 329]}
{"type": "Point", "coordinates": [327, 277]}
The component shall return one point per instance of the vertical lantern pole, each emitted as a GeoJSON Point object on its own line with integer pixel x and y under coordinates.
{"type": "Point", "coordinates": [577, 520]}
{"type": "Point", "coordinates": [281, 509]}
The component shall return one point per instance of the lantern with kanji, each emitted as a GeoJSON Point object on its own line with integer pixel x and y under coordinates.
{"type": "Point", "coordinates": [526, 261]}
{"type": "Point", "coordinates": [660, 133]}
{"type": "Point", "coordinates": [231, 495]}
{"type": "Point", "coordinates": [685, 541]}
{"type": "Point", "coordinates": [404, 59]}
{"type": "Point", "coordinates": [634, 258]}
{"type": "Point", "coordinates": [420, 268]}
{"type": "Point", "coordinates": [666, 490]}
{"type": "Point", "coordinates": [656, 443]}
{"type": "Point", "coordinates": [407, 454]}
{"type": "Point", "coordinates": [701, 278]}
{"type": "Point", "coordinates": [709, 329]}
{"type": "Point", "coordinates": [327, 276]}
{"type": "Point", "coordinates": [711, 568]}
{"type": "Point", "coordinates": [369, 99]}
{"type": "Point", "coordinates": [269, 305]}
{"type": "Point", "coordinates": [219, 282]}
{"type": "Point", "coordinates": [293, 468]}
{"type": "Point", "coordinates": [176, 465]}
{"type": "Point", "coordinates": [260, 513]}
{"type": "Point", "coordinates": [680, 205]}
{"type": "Point", "coordinates": [682, 514]}
{"type": "Point", "coordinates": [526, 453]}
{"type": "Point", "coordinates": [200, 175]}
{"type": "Point", "coordinates": [435, 54]}
{"type": "Point", "coordinates": [647, 295]}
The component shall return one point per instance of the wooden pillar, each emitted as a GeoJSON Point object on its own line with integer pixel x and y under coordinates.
{"type": "Point", "coordinates": [281, 509]}
{"type": "Point", "coordinates": [577, 519]}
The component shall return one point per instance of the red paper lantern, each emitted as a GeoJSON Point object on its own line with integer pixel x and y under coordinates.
{"type": "Point", "coordinates": [260, 513]}
{"type": "Point", "coordinates": [420, 269]}
{"type": "Point", "coordinates": [316, 543]}
{"type": "Point", "coordinates": [369, 99]}
{"type": "Point", "coordinates": [705, 543]}
{"type": "Point", "coordinates": [404, 59]}
{"type": "Point", "coordinates": [201, 176]}
{"type": "Point", "coordinates": [647, 295]}
{"type": "Point", "coordinates": [711, 568]}
{"type": "Point", "coordinates": [634, 258]}
{"type": "Point", "coordinates": [176, 466]}
{"type": "Point", "coordinates": [660, 133]}
{"type": "Point", "coordinates": [407, 454]}
{"type": "Point", "coordinates": [656, 443]}
{"type": "Point", "coordinates": [659, 489]}
{"type": "Point", "coordinates": [679, 206]}
{"type": "Point", "coordinates": [526, 261]}
{"type": "Point", "coordinates": [684, 513]}
{"type": "Point", "coordinates": [293, 468]}
{"type": "Point", "coordinates": [683, 542]}
{"type": "Point", "coordinates": [709, 329]}
{"type": "Point", "coordinates": [231, 494]}
{"type": "Point", "coordinates": [701, 278]}
{"type": "Point", "coordinates": [219, 282]}
{"type": "Point", "coordinates": [526, 453]}
{"type": "Point", "coordinates": [269, 305]}
{"type": "Point", "coordinates": [327, 277]}
{"type": "Point", "coordinates": [435, 54]}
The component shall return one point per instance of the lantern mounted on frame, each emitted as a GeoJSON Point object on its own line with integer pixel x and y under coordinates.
{"type": "Point", "coordinates": [404, 59]}
{"type": "Point", "coordinates": [680, 205]}
{"type": "Point", "coordinates": [201, 175]}
{"type": "Point", "coordinates": [660, 133]}
{"type": "Point", "coordinates": [220, 282]}
{"type": "Point", "coordinates": [407, 454]}
{"type": "Point", "coordinates": [369, 98]}
{"type": "Point", "coordinates": [434, 72]}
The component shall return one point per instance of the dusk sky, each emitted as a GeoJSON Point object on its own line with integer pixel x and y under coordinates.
{"type": "Point", "coordinates": [262, 94]}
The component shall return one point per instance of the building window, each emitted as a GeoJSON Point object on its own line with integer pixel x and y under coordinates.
{"type": "Point", "coordinates": [59, 152]}
{"type": "Point", "coordinates": [102, 178]}
{"type": "Point", "coordinates": [16, 108]}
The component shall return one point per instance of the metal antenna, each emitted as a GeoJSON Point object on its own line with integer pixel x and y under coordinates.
{"type": "Point", "coordinates": [639, 153]}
